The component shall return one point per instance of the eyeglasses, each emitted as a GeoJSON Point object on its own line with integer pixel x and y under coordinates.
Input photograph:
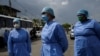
{"type": "Point", "coordinates": [81, 15]}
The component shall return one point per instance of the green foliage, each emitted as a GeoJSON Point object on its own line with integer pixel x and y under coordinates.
{"type": "Point", "coordinates": [66, 25]}
{"type": "Point", "coordinates": [42, 22]}
{"type": "Point", "coordinates": [38, 22]}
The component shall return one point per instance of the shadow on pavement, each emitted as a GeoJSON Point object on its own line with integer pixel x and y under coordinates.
{"type": "Point", "coordinates": [3, 49]}
{"type": "Point", "coordinates": [35, 39]}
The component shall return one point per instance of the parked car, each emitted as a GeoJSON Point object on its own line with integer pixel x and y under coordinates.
{"type": "Point", "coordinates": [72, 33]}
{"type": "Point", "coordinates": [38, 34]}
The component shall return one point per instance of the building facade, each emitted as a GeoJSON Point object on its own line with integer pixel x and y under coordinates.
{"type": "Point", "coordinates": [9, 11]}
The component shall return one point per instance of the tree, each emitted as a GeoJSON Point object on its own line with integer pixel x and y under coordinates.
{"type": "Point", "coordinates": [38, 22]}
{"type": "Point", "coordinates": [42, 22]}
{"type": "Point", "coordinates": [35, 21]}
{"type": "Point", "coordinates": [66, 26]}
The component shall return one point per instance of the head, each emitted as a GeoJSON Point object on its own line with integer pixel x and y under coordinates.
{"type": "Point", "coordinates": [47, 14]}
{"type": "Point", "coordinates": [6, 30]}
{"type": "Point", "coordinates": [82, 15]}
{"type": "Point", "coordinates": [16, 23]}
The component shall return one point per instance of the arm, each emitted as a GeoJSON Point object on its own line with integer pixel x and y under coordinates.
{"type": "Point", "coordinates": [97, 29]}
{"type": "Point", "coordinates": [10, 45]}
{"type": "Point", "coordinates": [62, 38]}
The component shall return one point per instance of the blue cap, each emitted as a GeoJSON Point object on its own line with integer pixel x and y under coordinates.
{"type": "Point", "coordinates": [48, 10]}
{"type": "Point", "coordinates": [16, 20]}
{"type": "Point", "coordinates": [82, 11]}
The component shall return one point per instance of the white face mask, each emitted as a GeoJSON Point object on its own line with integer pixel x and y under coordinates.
{"type": "Point", "coordinates": [17, 26]}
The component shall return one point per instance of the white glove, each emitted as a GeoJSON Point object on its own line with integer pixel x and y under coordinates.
{"type": "Point", "coordinates": [30, 54]}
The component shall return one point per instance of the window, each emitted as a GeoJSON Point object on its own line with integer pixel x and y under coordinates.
{"type": "Point", "coordinates": [6, 22]}
{"type": "Point", "coordinates": [9, 22]}
{"type": "Point", "coordinates": [23, 24]}
{"type": "Point", "coordinates": [2, 22]}
{"type": "Point", "coordinates": [29, 24]}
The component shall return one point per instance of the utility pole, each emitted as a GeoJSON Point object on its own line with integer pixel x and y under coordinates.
{"type": "Point", "coordinates": [10, 4]}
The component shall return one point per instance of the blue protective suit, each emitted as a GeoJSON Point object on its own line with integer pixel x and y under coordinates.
{"type": "Point", "coordinates": [19, 43]}
{"type": "Point", "coordinates": [87, 38]}
{"type": "Point", "coordinates": [54, 40]}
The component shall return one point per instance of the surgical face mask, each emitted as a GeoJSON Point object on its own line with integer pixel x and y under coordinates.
{"type": "Point", "coordinates": [45, 18]}
{"type": "Point", "coordinates": [81, 18]}
{"type": "Point", "coordinates": [16, 26]}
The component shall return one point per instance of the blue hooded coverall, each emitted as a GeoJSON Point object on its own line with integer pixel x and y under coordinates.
{"type": "Point", "coordinates": [19, 43]}
{"type": "Point", "coordinates": [54, 40]}
{"type": "Point", "coordinates": [87, 38]}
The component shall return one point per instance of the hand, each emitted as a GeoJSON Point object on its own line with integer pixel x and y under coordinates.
{"type": "Point", "coordinates": [30, 54]}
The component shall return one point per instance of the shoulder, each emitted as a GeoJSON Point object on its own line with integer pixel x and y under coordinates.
{"type": "Point", "coordinates": [13, 30]}
{"type": "Point", "coordinates": [56, 24]}
{"type": "Point", "coordinates": [53, 24]}
{"type": "Point", "coordinates": [96, 22]}
{"type": "Point", "coordinates": [92, 22]}
{"type": "Point", "coordinates": [24, 30]}
{"type": "Point", "coordinates": [77, 23]}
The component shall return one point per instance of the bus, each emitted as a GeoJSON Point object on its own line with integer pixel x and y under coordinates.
{"type": "Point", "coordinates": [6, 23]}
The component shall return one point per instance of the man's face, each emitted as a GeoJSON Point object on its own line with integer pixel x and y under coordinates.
{"type": "Point", "coordinates": [16, 24]}
{"type": "Point", "coordinates": [81, 17]}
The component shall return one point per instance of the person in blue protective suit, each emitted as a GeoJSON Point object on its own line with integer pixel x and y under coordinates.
{"type": "Point", "coordinates": [6, 34]}
{"type": "Point", "coordinates": [54, 40]}
{"type": "Point", "coordinates": [19, 43]}
{"type": "Point", "coordinates": [87, 35]}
